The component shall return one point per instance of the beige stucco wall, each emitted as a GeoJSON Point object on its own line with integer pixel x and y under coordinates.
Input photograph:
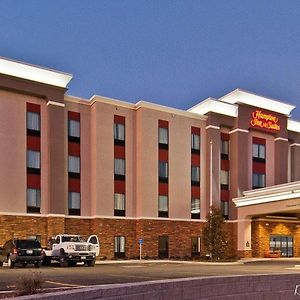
{"type": "Point", "coordinates": [13, 152]}
{"type": "Point", "coordinates": [102, 158]}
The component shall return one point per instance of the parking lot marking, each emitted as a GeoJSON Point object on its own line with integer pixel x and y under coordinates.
{"type": "Point", "coordinates": [64, 284]}
{"type": "Point", "coordinates": [133, 266]}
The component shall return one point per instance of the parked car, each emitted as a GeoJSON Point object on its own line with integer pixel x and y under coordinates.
{"type": "Point", "coordinates": [21, 251]}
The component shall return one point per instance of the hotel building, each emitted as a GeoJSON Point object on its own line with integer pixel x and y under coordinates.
{"type": "Point", "coordinates": [130, 172]}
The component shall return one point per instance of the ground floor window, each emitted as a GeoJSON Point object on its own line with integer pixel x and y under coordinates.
{"type": "Point", "coordinates": [163, 246]}
{"type": "Point", "coordinates": [195, 246]}
{"type": "Point", "coordinates": [283, 243]}
{"type": "Point", "coordinates": [120, 246]}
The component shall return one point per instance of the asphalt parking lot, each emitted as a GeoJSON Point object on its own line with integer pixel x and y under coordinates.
{"type": "Point", "coordinates": [110, 273]}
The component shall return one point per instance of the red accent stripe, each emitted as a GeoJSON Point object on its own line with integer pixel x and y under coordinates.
{"type": "Point", "coordinates": [74, 185]}
{"type": "Point", "coordinates": [224, 195]}
{"type": "Point", "coordinates": [257, 140]}
{"type": "Point", "coordinates": [73, 115]}
{"type": "Point", "coordinates": [33, 143]}
{"type": "Point", "coordinates": [225, 164]}
{"type": "Point", "coordinates": [259, 167]}
{"type": "Point", "coordinates": [195, 130]}
{"type": "Point", "coordinates": [119, 186]}
{"type": "Point", "coordinates": [163, 155]}
{"type": "Point", "coordinates": [119, 151]}
{"type": "Point", "coordinates": [33, 107]}
{"type": "Point", "coordinates": [163, 189]}
{"type": "Point", "coordinates": [74, 149]}
{"type": "Point", "coordinates": [195, 160]}
{"type": "Point", "coordinates": [119, 119]}
{"type": "Point", "coordinates": [224, 136]}
{"type": "Point", "coordinates": [163, 124]}
{"type": "Point", "coordinates": [195, 192]}
{"type": "Point", "coordinates": [33, 181]}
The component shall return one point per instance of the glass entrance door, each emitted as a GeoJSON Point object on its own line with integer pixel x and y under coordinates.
{"type": "Point", "coordinates": [284, 243]}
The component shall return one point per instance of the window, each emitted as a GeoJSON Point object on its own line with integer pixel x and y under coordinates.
{"type": "Point", "coordinates": [163, 138]}
{"type": "Point", "coordinates": [195, 175]}
{"type": "Point", "coordinates": [163, 171]}
{"type": "Point", "coordinates": [119, 246]}
{"type": "Point", "coordinates": [163, 206]}
{"type": "Point", "coordinates": [74, 165]}
{"type": "Point", "coordinates": [163, 246]}
{"type": "Point", "coordinates": [224, 179]}
{"type": "Point", "coordinates": [119, 132]}
{"type": "Point", "coordinates": [259, 152]}
{"type": "Point", "coordinates": [258, 180]}
{"type": "Point", "coordinates": [225, 209]}
{"type": "Point", "coordinates": [196, 142]}
{"type": "Point", "coordinates": [74, 203]}
{"type": "Point", "coordinates": [74, 128]}
{"type": "Point", "coordinates": [119, 205]}
{"type": "Point", "coordinates": [33, 200]}
{"type": "Point", "coordinates": [33, 121]}
{"type": "Point", "coordinates": [196, 246]}
{"type": "Point", "coordinates": [224, 149]}
{"type": "Point", "coordinates": [195, 208]}
{"type": "Point", "coordinates": [33, 161]}
{"type": "Point", "coordinates": [34, 238]}
{"type": "Point", "coordinates": [119, 168]}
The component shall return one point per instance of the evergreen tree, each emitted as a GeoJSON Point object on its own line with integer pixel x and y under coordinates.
{"type": "Point", "coordinates": [214, 235]}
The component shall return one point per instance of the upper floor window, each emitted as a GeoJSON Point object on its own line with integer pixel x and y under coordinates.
{"type": "Point", "coordinates": [195, 208]}
{"type": "Point", "coordinates": [33, 121]}
{"type": "Point", "coordinates": [258, 180]}
{"type": "Point", "coordinates": [74, 203]}
{"type": "Point", "coordinates": [74, 128]}
{"type": "Point", "coordinates": [163, 171]}
{"type": "Point", "coordinates": [195, 175]}
{"type": "Point", "coordinates": [195, 142]}
{"type": "Point", "coordinates": [33, 200]}
{"type": "Point", "coordinates": [225, 209]}
{"type": "Point", "coordinates": [163, 136]}
{"type": "Point", "coordinates": [224, 179]}
{"type": "Point", "coordinates": [259, 152]}
{"type": "Point", "coordinates": [74, 164]}
{"type": "Point", "coordinates": [163, 206]}
{"type": "Point", "coordinates": [224, 149]}
{"type": "Point", "coordinates": [119, 204]}
{"type": "Point", "coordinates": [33, 161]}
{"type": "Point", "coordinates": [119, 132]}
{"type": "Point", "coordinates": [119, 168]}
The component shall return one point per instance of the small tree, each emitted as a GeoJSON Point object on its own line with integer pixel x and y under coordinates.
{"type": "Point", "coordinates": [214, 235]}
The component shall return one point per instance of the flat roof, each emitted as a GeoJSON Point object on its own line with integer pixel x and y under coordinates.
{"type": "Point", "coordinates": [34, 73]}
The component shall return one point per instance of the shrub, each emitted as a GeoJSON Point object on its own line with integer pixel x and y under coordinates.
{"type": "Point", "coordinates": [30, 283]}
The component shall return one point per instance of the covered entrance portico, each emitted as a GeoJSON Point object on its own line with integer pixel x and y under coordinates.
{"type": "Point", "coordinates": [269, 221]}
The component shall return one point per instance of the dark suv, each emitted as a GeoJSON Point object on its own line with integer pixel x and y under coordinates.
{"type": "Point", "coordinates": [19, 251]}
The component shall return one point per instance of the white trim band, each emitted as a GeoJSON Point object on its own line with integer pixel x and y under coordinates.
{"type": "Point", "coordinates": [238, 130]}
{"type": "Point", "coordinates": [295, 144]}
{"type": "Point", "coordinates": [212, 127]}
{"type": "Point", "coordinates": [281, 139]}
{"type": "Point", "coordinates": [56, 103]}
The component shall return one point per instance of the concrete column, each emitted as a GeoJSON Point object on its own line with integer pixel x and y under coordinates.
{"type": "Point", "coordinates": [281, 160]}
{"type": "Point", "coordinates": [244, 238]}
{"type": "Point", "coordinates": [295, 159]}
{"type": "Point", "coordinates": [239, 166]}
{"type": "Point", "coordinates": [57, 169]}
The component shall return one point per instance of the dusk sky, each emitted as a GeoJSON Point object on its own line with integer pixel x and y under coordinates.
{"type": "Point", "coordinates": [175, 53]}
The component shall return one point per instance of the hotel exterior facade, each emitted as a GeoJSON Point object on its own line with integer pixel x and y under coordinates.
{"type": "Point", "coordinates": [131, 172]}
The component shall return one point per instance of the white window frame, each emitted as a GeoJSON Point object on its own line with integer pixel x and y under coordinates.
{"type": "Point", "coordinates": [119, 131]}
{"type": "Point", "coordinates": [163, 135]}
{"type": "Point", "coordinates": [74, 164]}
{"type": "Point", "coordinates": [35, 201]}
{"type": "Point", "coordinates": [33, 159]}
{"type": "Point", "coordinates": [74, 128]}
{"type": "Point", "coordinates": [74, 198]}
{"type": "Point", "coordinates": [33, 121]}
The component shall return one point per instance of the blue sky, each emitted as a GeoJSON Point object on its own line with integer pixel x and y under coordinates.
{"type": "Point", "coordinates": [174, 53]}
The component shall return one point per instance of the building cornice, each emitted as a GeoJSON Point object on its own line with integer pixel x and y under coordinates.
{"type": "Point", "coordinates": [34, 73]}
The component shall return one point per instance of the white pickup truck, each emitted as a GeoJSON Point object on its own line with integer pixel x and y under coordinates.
{"type": "Point", "coordinates": [69, 249]}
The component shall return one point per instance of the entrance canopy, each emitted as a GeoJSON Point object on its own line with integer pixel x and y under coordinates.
{"type": "Point", "coordinates": [279, 200]}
